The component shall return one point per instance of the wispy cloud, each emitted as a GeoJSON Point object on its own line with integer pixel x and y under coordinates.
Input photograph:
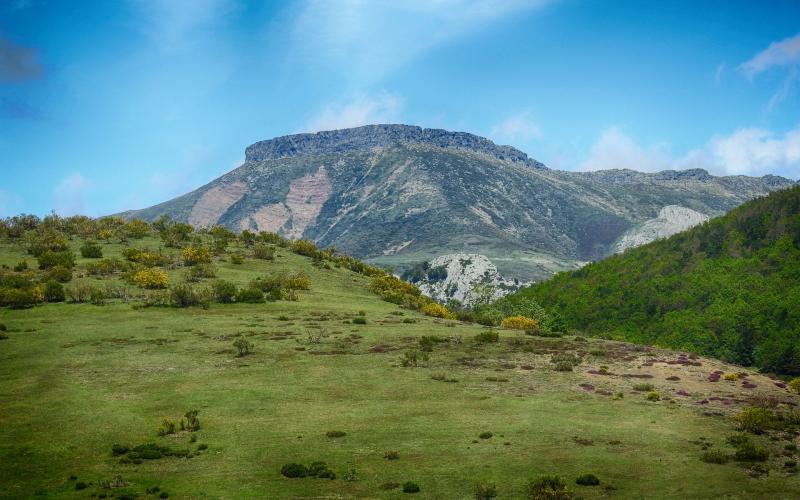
{"type": "Point", "coordinates": [69, 195]}
{"type": "Point", "coordinates": [616, 149]}
{"type": "Point", "coordinates": [783, 53]}
{"type": "Point", "coordinates": [18, 63]}
{"type": "Point", "coordinates": [520, 127]}
{"type": "Point", "coordinates": [177, 24]}
{"type": "Point", "coordinates": [368, 39]}
{"type": "Point", "coordinates": [362, 109]}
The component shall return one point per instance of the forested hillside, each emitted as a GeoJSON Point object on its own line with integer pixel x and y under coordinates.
{"type": "Point", "coordinates": [728, 288]}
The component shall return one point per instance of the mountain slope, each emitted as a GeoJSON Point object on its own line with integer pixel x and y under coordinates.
{"type": "Point", "coordinates": [728, 288]}
{"type": "Point", "coordinates": [398, 194]}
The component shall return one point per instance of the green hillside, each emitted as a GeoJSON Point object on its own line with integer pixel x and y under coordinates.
{"type": "Point", "coordinates": [259, 353]}
{"type": "Point", "coordinates": [729, 288]}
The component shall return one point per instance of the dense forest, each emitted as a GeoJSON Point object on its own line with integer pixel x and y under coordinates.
{"type": "Point", "coordinates": [729, 288]}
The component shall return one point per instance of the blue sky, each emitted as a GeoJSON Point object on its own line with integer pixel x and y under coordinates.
{"type": "Point", "coordinates": [112, 105]}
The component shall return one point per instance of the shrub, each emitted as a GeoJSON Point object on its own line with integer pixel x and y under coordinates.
{"type": "Point", "coordinates": [21, 298]}
{"type": "Point", "coordinates": [413, 359]}
{"type": "Point", "coordinates": [410, 487]}
{"type": "Point", "coordinates": [183, 295]}
{"type": "Point", "coordinates": [794, 385]}
{"type": "Point", "coordinates": [91, 250]}
{"type": "Point", "coordinates": [547, 488]}
{"type": "Point", "coordinates": [54, 292]}
{"type": "Point", "coordinates": [237, 259]}
{"type": "Point", "coordinates": [265, 252]}
{"type": "Point", "coordinates": [654, 396]}
{"type": "Point", "coordinates": [80, 485]}
{"type": "Point", "coordinates": [520, 323]}
{"type": "Point", "coordinates": [50, 259]}
{"type": "Point", "coordinates": [755, 420]}
{"type": "Point", "coordinates": [193, 255]}
{"type": "Point", "coordinates": [304, 247]}
{"type": "Point", "coordinates": [396, 291]}
{"type": "Point", "coordinates": [294, 470]}
{"type": "Point", "coordinates": [643, 387]}
{"type": "Point", "coordinates": [359, 321]}
{"type": "Point", "coordinates": [167, 427]}
{"type": "Point", "coordinates": [750, 452]}
{"type": "Point", "coordinates": [715, 457]}
{"type": "Point", "coordinates": [192, 423]}
{"type": "Point", "coordinates": [202, 447]}
{"type": "Point", "coordinates": [391, 455]}
{"type": "Point", "coordinates": [485, 491]}
{"type": "Point", "coordinates": [119, 449]}
{"type": "Point", "coordinates": [437, 311]}
{"type": "Point", "coordinates": [224, 291]}
{"type": "Point", "coordinates": [320, 470]}
{"type": "Point", "coordinates": [21, 266]}
{"type": "Point", "coordinates": [485, 435]}
{"type": "Point", "coordinates": [243, 346]}
{"type": "Point", "coordinates": [250, 295]}
{"type": "Point", "coordinates": [145, 257]}
{"type": "Point", "coordinates": [335, 434]}
{"type": "Point", "coordinates": [587, 480]}
{"type": "Point", "coordinates": [151, 278]}
{"type": "Point", "coordinates": [200, 271]}
{"type": "Point", "coordinates": [563, 366]}
{"type": "Point", "coordinates": [487, 337]}
{"type": "Point", "coordinates": [104, 267]}
{"type": "Point", "coordinates": [59, 273]}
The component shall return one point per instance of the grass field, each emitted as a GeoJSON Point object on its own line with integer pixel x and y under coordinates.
{"type": "Point", "coordinates": [80, 378]}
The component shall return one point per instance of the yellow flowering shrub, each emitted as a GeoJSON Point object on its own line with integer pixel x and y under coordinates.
{"type": "Point", "coordinates": [151, 278]}
{"type": "Point", "coordinates": [196, 255]}
{"type": "Point", "coordinates": [437, 311]}
{"type": "Point", "coordinates": [520, 323]}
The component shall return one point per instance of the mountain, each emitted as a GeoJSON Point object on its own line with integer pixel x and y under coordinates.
{"type": "Point", "coordinates": [398, 194]}
{"type": "Point", "coordinates": [728, 288]}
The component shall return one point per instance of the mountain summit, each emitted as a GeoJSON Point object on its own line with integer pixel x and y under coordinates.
{"type": "Point", "coordinates": [399, 194]}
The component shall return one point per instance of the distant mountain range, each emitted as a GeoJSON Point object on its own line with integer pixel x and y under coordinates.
{"type": "Point", "coordinates": [399, 194]}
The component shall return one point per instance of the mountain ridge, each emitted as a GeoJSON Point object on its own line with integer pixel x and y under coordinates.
{"type": "Point", "coordinates": [396, 195]}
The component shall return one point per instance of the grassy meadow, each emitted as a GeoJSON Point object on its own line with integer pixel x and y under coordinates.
{"type": "Point", "coordinates": [77, 379]}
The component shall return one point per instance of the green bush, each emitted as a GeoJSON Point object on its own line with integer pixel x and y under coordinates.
{"type": "Point", "coordinates": [654, 396]}
{"type": "Point", "coordinates": [224, 291]}
{"type": "Point", "coordinates": [59, 273]}
{"type": "Point", "coordinates": [201, 271]}
{"type": "Point", "coordinates": [487, 337]}
{"type": "Point", "coordinates": [643, 387]}
{"type": "Point", "coordinates": [359, 321]}
{"type": "Point", "coordinates": [750, 452]}
{"type": "Point", "coordinates": [237, 259]}
{"type": "Point", "coordinates": [167, 427]}
{"type": "Point", "coordinates": [410, 487]}
{"type": "Point", "coordinates": [547, 488]}
{"type": "Point", "coordinates": [50, 259]}
{"type": "Point", "coordinates": [391, 455]}
{"type": "Point", "coordinates": [54, 292]}
{"type": "Point", "coordinates": [715, 457]}
{"type": "Point", "coordinates": [183, 295]}
{"type": "Point", "coordinates": [335, 434]}
{"type": "Point", "coordinates": [91, 250]}
{"type": "Point", "coordinates": [250, 295]}
{"type": "Point", "coordinates": [563, 366]}
{"type": "Point", "coordinates": [294, 470]}
{"type": "Point", "coordinates": [264, 252]}
{"type": "Point", "coordinates": [485, 491]}
{"type": "Point", "coordinates": [412, 359]}
{"type": "Point", "coordinates": [243, 346]}
{"type": "Point", "coordinates": [20, 298]}
{"type": "Point", "coordinates": [587, 480]}
{"type": "Point", "coordinates": [485, 435]}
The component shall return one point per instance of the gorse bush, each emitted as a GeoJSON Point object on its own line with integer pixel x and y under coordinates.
{"type": "Point", "coordinates": [152, 278]}
{"type": "Point", "coordinates": [437, 311]}
{"type": "Point", "coordinates": [146, 257]}
{"type": "Point", "coordinates": [265, 252]}
{"type": "Point", "coordinates": [755, 420]}
{"type": "Point", "coordinates": [520, 323]}
{"type": "Point", "coordinates": [193, 255]}
{"type": "Point", "coordinates": [250, 295]}
{"type": "Point", "coordinates": [200, 271]}
{"type": "Point", "coordinates": [487, 337]}
{"type": "Point", "coordinates": [54, 292]}
{"type": "Point", "coordinates": [243, 346]}
{"type": "Point", "coordinates": [224, 291]}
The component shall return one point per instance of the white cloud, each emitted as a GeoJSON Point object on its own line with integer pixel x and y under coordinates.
{"type": "Point", "coordinates": [749, 151]}
{"type": "Point", "coordinates": [363, 109]}
{"type": "Point", "coordinates": [615, 149]}
{"type": "Point", "coordinates": [367, 39]}
{"type": "Point", "coordinates": [69, 194]}
{"type": "Point", "coordinates": [746, 151]}
{"type": "Point", "coordinates": [783, 53]}
{"type": "Point", "coordinates": [176, 24]}
{"type": "Point", "coordinates": [516, 128]}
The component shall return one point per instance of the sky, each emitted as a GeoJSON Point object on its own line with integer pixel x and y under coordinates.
{"type": "Point", "coordinates": [113, 105]}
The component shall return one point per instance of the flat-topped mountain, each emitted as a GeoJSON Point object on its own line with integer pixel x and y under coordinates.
{"type": "Point", "coordinates": [399, 194]}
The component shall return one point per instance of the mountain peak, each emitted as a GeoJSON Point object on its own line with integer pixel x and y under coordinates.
{"type": "Point", "coordinates": [376, 136]}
